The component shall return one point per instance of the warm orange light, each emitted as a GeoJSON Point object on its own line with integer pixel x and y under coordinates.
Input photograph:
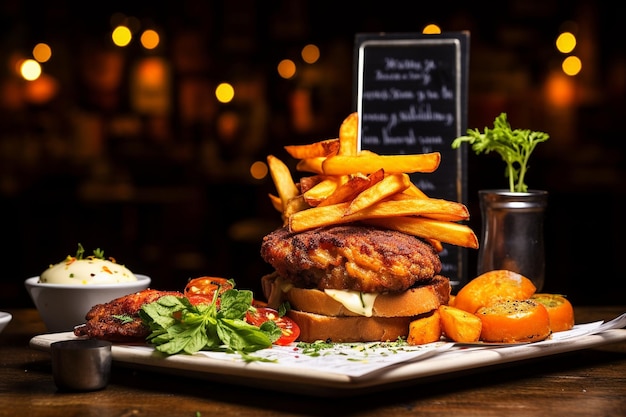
{"type": "Point", "coordinates": [258, 170]}
{"type": "Point", "coordinates": [572, 65]}
{"type": "Point", "coordinates": [431, 29]}
{"type": "Point", "coordinates": [566, 42]}
{"type": "Point", "coordinates": [559, 89]}
{"type": "Point", "coordinates": [149, 39]}
{"type": "Point", "coordinates": [310, 54]}
{"type": "Point", "coordinates": [41, 90]}
{"type": "Point", "coordinates": [42, 52]}
{"type": "Point", "coordinates": [286, 68]}
{"type": "Point", "coordinates": [224, 93]}
{"type": "Point", "coordinates": [152, 71]}
{"type": "Point", "coordinates": [121, 36]}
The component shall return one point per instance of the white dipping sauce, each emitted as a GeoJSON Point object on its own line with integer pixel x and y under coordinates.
{"type": "Point", "coordinates": [86, 272]}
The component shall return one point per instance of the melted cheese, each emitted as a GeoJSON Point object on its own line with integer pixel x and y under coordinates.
{"type": "Point", "coordinates": [355, 301]}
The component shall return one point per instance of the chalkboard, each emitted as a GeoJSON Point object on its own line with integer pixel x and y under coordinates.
{"type": "Point", "coordinates": [411, 97]}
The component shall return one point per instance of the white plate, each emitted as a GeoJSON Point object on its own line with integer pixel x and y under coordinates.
{"type": "Point", "coordinates": [350, 369]}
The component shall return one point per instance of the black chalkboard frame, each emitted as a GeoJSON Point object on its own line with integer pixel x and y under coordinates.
{"type": "Point", "coordinates": [451, 48]}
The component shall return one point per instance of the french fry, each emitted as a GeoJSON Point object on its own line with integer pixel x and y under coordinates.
{"type": "Point", "coordinates": [313, 165]}
{"type": "Point", "coordinates": [389, 185]}
{"type": "Point", "coordinates": [306, 183]}
{"type": "Point", "coordinates": [294, 205]}
{"type": "Point", "coordinates": [414, 191]}
{"type": "Point", "coordinates": [322, 148]}
{"type": "Point", "coordinates": [348, 135]}
{"type": "Point", "coordinates": [321, 191]}
{"type": "Point", "coordinates": [444, 231]}
{"type": "Point", "coordinates": [385, 210]}
{"type": "Point", "coordinates": [354, 186]}
{"type": "Point", "coordinates": [435, 244]}
{"type": "Point", "coordinates": [367, 163]}
{"type": "Point", "coordinates": [283, 180]}
{"type": "Point", "coordinates": [454, 215]}
{"type": "Point", "coordinates": [276, 202]}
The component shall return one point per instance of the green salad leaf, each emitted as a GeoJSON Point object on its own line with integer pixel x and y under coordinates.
{"type": "Point", "coordinates": [178, 326]}
{"type": "Point", "coordinates": [514, 146]}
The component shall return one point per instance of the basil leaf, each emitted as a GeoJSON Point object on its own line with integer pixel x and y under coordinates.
{"type": "Point", "coordinates": [241, 336]}
{"type": "Point", "coordinates": [235, 303]}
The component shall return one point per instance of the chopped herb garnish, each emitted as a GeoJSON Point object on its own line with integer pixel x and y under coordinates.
{"type": "Point", "coordinates": [80, 252]}
{"type": "Point", "coordinates": [124, 318]}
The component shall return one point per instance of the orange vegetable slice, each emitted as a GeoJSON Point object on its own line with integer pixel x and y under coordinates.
{"type": "Point", "coordinates": [491, 287]}
{"type": "Point", "coordinates": [559, 308]}
{"type": "Point", "coordinates": [425, 329]}
{"type": "Point", "coordinates": [512, 321]}
{"type": "Point", "coordinates": [459, 325]}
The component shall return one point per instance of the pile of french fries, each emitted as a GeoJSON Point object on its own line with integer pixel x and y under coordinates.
{"type": "Point", "coordinates": [346, 185]}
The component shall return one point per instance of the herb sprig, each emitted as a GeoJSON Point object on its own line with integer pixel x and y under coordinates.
{"type": "Point", "coordinates": [97, 253]}
{"type": "Point", "coordinates": [178, 326]}
{"type": "Point", "coordinates": [514, 146]}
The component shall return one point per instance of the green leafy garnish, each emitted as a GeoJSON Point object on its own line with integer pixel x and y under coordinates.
{"type": "Point", "coordinates": [177, 326]}
{"type": "Point", "coordinates": [80, 252]}
{"type": "Point", "coordinates": [124, 318]}
{"type": "Point", "coordinates": [97, 253]}
{"type": "Point", "coordinates": [514, 146]}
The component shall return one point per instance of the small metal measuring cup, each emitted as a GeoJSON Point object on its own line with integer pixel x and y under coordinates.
{"type": "Point", "coordinates": [81, 364]}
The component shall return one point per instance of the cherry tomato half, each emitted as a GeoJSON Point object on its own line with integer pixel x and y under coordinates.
{"type": "Point", "coordinates": [288, 327]}
{"type": "Point", "coordinates": [202, 289]}
{"type": "Point", "coordinates": [207, 286]}
{"type": "Point", "coordinates": [196, 299]}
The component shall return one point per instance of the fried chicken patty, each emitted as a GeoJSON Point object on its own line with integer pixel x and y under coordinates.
{"type": "Point", "coordinates": [104, 320]}
{"type": "Point", "coordinates": [350, 257]}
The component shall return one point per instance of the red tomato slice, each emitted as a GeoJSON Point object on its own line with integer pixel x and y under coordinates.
{"type": "Point", "coordinates": [196, 299]}
{"type": "Point", "coordinates": [207, 286]}
{"type": "Point", "coordinates": [288, 327]}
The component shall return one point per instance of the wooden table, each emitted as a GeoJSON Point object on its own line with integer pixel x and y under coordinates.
{"type": "Point", "coordinates": [580, 383]}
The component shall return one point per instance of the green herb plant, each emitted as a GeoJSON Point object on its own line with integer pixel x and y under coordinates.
{"type": "Point", "coordinates": [177, 326]}
{"type": "Point", "coordinates": [514, 146]}
{"type": "Point", "coordinates": [80, 253]}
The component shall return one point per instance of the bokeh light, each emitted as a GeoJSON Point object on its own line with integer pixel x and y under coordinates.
{"type": "Point", "coordinates": [572, 65]}
{"type": "Point", "coordinates": [286, 68]}
{"type": "Point", "coordinates": [121, 36]}
{"type": "Point", "coordinates": [30, 69]}
{"type": "Point", "coordinates": [224, 93]}
{"type": "Point", "coordinates": [431, 29]}
{"type": "Point", "coordinates": [42, 52]}
{"type": "Point", "coordinates": [310, 54]}
{"type": "Point", "coordinates": [566, 42]}
{"type": "Point", "coordinates": [259, 170]}
{"type": "Point", "coordinates": [150, 39]}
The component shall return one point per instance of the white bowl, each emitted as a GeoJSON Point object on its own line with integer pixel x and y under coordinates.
{"type": "Point", "coordinates": [5, 318]}
{"type": "Point", "coordinates": [62, 307]}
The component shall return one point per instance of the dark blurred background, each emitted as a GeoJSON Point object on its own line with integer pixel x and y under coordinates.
{"type": "Point", "coordinates": [127, 149]}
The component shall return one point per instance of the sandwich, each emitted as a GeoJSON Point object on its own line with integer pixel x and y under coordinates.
{"type": "Point", "coordinates": [353, 282]}
{"type": "Point", "coordinates": [357, 256]}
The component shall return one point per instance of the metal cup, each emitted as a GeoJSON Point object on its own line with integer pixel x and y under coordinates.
{"type": "Point", "coordinates": [81, 365]}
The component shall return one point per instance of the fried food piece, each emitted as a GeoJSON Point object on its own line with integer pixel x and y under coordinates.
{"type": "Point", "coordinates": [425, 329]}
{"type": "Point", "coordinates": [459, 325]}
{"type": "Point", "coordinates": [351, 257]}
{"type": "Point", "coordinates": [118, 320]}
